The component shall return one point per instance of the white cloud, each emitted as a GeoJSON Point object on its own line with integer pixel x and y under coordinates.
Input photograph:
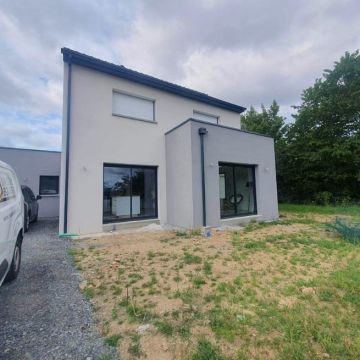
{"type": "Point", "coordinates": [245, 52]}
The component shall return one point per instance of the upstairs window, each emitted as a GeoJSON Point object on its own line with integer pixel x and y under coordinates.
{"type": "Point", "coordinates": [206, 117]}
{"type": "Point", "coordinates": [133, 107]}
{"type": "Point", "coordinates": [49, 185]}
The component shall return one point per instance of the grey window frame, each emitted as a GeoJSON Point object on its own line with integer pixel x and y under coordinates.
{"type": "Point", "coordinates": [234, 165]}
{"type": "Point", "coordinates": [131, 218]}
{"type": "Point", "coordinates": [58, 185]}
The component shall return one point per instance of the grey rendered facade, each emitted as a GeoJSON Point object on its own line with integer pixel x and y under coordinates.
{"type": "Point", "coordinates": [221, 145]}
{"type": "Point", "coordinates": [122, 169]}
{"type": "Point", "coordinates": [29, 166]}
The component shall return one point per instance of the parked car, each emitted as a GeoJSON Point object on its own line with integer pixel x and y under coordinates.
{"type": "Point", "coordinates": [31, 206]}
{"type": "Point", "coordinates": [12, 223]}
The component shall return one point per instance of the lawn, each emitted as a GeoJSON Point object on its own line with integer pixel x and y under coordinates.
{"type": "Point", "coordinates": [283, 290]}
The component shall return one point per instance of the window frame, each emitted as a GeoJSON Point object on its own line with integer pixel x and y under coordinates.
{"type": "Point", "coordinates": [131, 218]}
{"type": "Point", "coordinates": [58, 185]}
{"type": "Point", "coordinates": [234, 165]}
{"type": "Point", "coordinates": [206, 114]}
{"type": "Point", "coordinates": [137, 97]}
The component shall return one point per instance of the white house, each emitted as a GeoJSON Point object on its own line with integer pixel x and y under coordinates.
{"type": "Point", "coordinates": [137, 149]}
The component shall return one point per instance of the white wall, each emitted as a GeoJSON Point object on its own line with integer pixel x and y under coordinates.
{"type": "Point", "coordinates": [97, 137]}
{"type": "Point", "coordinates": [29, 165]}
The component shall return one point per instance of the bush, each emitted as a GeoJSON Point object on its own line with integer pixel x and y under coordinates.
{"type": "Point", "coordinates": [350, 232]}
{"type": "Point", "coordinates": [323, 198]}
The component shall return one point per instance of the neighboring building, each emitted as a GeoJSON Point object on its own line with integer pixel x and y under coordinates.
{"type": "Point", "coordinates": [40, 171]}
{"type": "Point", "coordinates": [132, 154]}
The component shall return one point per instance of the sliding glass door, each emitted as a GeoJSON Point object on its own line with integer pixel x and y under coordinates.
{"type": "Point", "coordinates": [130, 193]}
{"type": "Point", "coordinates": [237, 190]}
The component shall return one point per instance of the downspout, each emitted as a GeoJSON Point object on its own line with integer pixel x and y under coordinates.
{"type": "Point", "coordinates": [66, 195]}
{"type": "Point", "coordinates": [202, 133]}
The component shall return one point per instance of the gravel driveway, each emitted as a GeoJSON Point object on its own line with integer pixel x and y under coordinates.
{"type": "Point", "coordinates": [42, 314]}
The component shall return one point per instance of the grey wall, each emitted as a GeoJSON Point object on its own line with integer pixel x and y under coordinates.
{"type": "Point", "coordinates": [229, 145]}
{"type": "Point", "coordinates": [221, 145]}
{"type": "Point", "coordinates": [29, 165]}
{"type": "Point", "coordinates": [178, 177]}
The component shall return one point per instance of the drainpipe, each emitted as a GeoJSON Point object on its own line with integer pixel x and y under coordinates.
{"type": "Point", "coordinates": [66, 195]}
{"type": "Point", "coordinates": [202, 133]}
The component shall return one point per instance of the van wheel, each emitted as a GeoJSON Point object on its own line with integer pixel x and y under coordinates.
{"type": "Point", "coordinates": [16, 262]}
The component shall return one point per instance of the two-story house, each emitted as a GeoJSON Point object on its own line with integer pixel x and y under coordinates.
{"type": "Point", "coordinates": [137, 149]}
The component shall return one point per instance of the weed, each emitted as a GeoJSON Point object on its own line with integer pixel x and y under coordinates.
{"type": "Point", "coordinates": [198, 281]}
{"type": "Point", "coordinates": [164, 327]}
{"type": "Point", "coordinates": [112, 340]}
{"type": "Point", "coordinates": [191, 259]}
{"type": "Point", "coordinates": [207, 268]}
{"type": "Point", "coordinates": [206, 351]}
{"type": "Point", "coordinates": [350, 232]}
{"type": "Point", "coordinates": [89, 292]}
{"type": "Point", "coordinates": [134, 347]}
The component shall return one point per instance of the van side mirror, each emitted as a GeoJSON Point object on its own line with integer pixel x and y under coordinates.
{"type": "Point", "coordinates": [39, 197]}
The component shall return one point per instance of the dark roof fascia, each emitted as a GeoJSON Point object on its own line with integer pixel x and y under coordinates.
{"type": "Point", "coordinates": [216, 125]}
{"type": "Point", "coordinates": [23, 149]}
{"type": "Point", "coordinates": [121, 71]}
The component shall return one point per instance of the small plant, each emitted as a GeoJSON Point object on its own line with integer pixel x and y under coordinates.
{"type": "Point", "coordinates": [150, 255]}
{"type": "Point", "coordinates": [195, 232]}
{"type": "Point", "coordinates": [134, 347]}
{"type": "Point", "coordinates": [207, 268]}
{"type": "Point", "coordinates": [191, 259]}
{"type": "Point", "coordinates": [89, 292]}
{"type": "Point", "coordinates": [164, 327]}
{"type": "Point", "coordinates": [350, 232]}
{"type": "Point", "coordinates": [181, 234]}
{"type": "Point", "coordinates": [112, 340]}
{"type": "Point", "coordinates": [206, 351]}
{"type": "Point", "coordinates": [198, 281]}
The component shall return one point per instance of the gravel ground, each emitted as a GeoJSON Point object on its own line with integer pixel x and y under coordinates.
{"type": "Point", "coordinates": [42, 314]}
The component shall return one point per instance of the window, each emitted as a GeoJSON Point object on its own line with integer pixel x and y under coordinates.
{"type": "Point", "coordinates": [134, 107]}
{"type": "Point", "coordinates": [49, 185]}
{"type": "Point", "coordinates": [130, 193]}
{"type": "Point", "coordinates": [237, 190]}
{"type": "Point", "coordinates": [206, 117]}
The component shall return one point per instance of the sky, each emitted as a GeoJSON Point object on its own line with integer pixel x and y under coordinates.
{"type": "Point", "coordinates": [245, 52]}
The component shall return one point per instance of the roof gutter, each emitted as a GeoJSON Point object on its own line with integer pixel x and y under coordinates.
{"type": "Point", "coordinates": [67, 154]}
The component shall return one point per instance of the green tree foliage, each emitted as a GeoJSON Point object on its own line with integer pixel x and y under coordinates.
{"type": "Point", "coordinates": [318, 156]}
{"type": "Point", "coordinates": [267, 122]}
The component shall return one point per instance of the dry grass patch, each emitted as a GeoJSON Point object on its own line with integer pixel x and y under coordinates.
{"type": "Point", "coordinates": [286, 290]}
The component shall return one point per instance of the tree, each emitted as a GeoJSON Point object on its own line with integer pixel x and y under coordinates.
{"type": "Point", "coordinates": [322, 159]}
{"type": "Point", "coordinates": [267, 122]}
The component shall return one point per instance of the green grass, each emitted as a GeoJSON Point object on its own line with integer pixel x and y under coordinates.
{"type": "Point", "coordinates": [351, 210]}
{"type": "Point", "coordinates": [191, 258]}
{"type": "Point", "coordinates": [164, 327]}
{"type": "Point", "coordinates": [205, 350]}
{"type": "Point", "coordinates": [112, 340]}
{"type": "Point", "coordinates": [134, 347]}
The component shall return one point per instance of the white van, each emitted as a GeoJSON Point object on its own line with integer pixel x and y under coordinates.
{"type": "Point", "coordinates": [11, 223]}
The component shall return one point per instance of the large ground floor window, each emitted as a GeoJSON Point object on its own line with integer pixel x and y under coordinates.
{"type": "Point", "coordinates": [237, 190]}
{"type": "Point", "coordinates": [130, 193]}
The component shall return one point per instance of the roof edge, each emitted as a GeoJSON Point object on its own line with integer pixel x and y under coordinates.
{"type": "Point", "coordinates": [24, 149]}
{"type": "Point", "coordinates": [216, 125]}
{"type": "Point", "coordinates": [75, 57]}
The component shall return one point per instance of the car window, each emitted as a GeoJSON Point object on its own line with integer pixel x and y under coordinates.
{"type": "Point", "coordinates": [31, 194]}
{"type": "Point", "coordinates": [26, 195]}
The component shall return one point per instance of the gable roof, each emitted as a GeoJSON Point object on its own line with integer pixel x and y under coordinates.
{"type": "Point", "coordinates": [74, 57]}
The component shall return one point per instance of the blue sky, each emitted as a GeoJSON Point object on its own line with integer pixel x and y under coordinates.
{"type": "Point", "coordinates": [244, 52]}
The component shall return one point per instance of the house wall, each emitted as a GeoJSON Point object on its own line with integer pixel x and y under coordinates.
{"type": "Point", "coordinates": [179, 177]}
{"type": "Point", "coordinates": [29, 165]}
{"type": "Point", "coordinates": [97, 137]}
{"type": "Point", "coordinates": [226, 145]}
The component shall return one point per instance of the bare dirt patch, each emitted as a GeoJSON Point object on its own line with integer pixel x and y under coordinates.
{"type": "Point", "coordinates": [156, 294]}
